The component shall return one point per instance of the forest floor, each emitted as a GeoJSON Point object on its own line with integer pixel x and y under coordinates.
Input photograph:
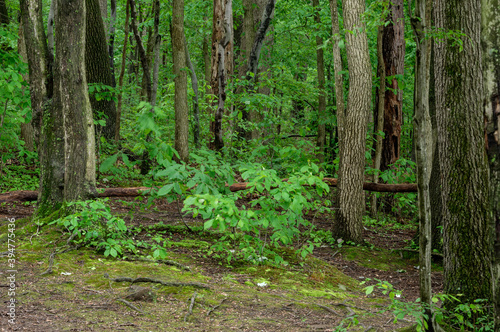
{"type": "Point", "coordinates": [316, 294]}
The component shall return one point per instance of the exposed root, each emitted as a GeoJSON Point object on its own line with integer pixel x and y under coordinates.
{"type": "Point", "coordinates": [163, 261]}
{"type": "Point", "coordinates": [213, 308]}
{"type": "Point", "coordinates": [156, 281]}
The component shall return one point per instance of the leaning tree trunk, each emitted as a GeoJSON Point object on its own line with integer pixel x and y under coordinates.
{"type": "Point", "coordinates": [421, 23]}
{"type": "Point", "coordinates": [394, 53]}
{"type": "Point", "coordinates": [98, 68]}
{"type": "Point", "coordinates": [464, 170]}
{"type": "Point", "coordinates": [320, 63]}
{"type": "Point", "coordinates": [72, 100]}
{"type": "Point", "coordinates": [491, 51]}
{"type": "Point", "coordinates": [351, 199]}
{"type": "Point", "coordinates": [40, 67]}
{"type": "Point", "coordinates": [180, 81]}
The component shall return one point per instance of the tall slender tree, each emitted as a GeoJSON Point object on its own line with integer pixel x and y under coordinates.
{"type": "Point", "coordinates": [421, 23]}
{"type": "Point", "coordinates": [352, 136]}
{"type": "Point", "coordinates": [464, 170]}
{"type": "Point", "coordinates": [180, 81]}
{"type": "Point", "coordinates": [320, 65]}
{"type": "Point", "coordinates": [221, 65]}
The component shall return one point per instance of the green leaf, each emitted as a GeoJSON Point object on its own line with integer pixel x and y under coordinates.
{"type": "Point", "coordinates": [108, 163]}
{"type": "Point", "coordinates": [165, 189]}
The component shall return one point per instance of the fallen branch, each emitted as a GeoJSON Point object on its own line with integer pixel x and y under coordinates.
{"type": "Point", "coordinates": [328, 309]}
{"type": "Point", "coordinates": [30, 196]}
{"type": "Point", "coordinates": [191, 306]}
{"type": "Point", "coordinates": [130, 305]}
{"type": "Point", "coordinates": [156, 281]}
{"type": "Point", "coordinates": [163, 261]}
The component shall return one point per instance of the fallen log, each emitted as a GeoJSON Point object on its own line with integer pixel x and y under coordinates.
{"type": "Point", "coordinates": [30, 196]}
{"type": "Point", "coordinates": [368, 186]}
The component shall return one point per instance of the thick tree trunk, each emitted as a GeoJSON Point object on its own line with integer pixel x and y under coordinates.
{"type": "Point", "coordinates": [103, 7]}
{"type": "Point", "coordinates": [98, 68]}
{"type": "Point", "coordinates": [464, 170]}
{"type": "Point", "coordinates": [320, 63]}
{"type": "Point", "coordinates": [421, 23]}
{"type": "Point", "coordinates": [71, 98]}
{"type": "Point", "coordinates": [394, 53]}
{"type": "Point", "coordinates": [351, 199]}
{"type": "Point", "coordinates": [180, 80]}
{"type": "Point", "coordinates": [491, 51]}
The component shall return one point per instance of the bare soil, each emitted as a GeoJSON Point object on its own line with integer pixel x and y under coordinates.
{"type": "Point", "coordinates": [76, 297]}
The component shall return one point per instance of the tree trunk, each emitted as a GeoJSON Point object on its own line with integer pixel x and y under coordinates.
{"type": "Point", "coordinates": [4, 13]}
{"type": "Point", "coordinates": [103, 7]}
{"type": "Point", "coordinates": [142, 52]}
{"type": "Point", "coordinates": [207, 56]}
{"type": "Point", "coordinates": [40, 67]}
{"type": "Point", "coordinates": [180, 80]}
{"type": "Point", "coordinates": [27, 131]}
{"type": "Point", "coordinates": [459, 94]}
{"type": "Point", "coordinates": [491, 51]}
{"type": "Point", "coordinates": [111, 46]}
{"type": "Point", "coordinates": [156, 42]}
{"type": "Point", "coordinates": [394, 54]}
{"type": "Point", "coordinates": [196, 104]}
{"type": "Point", "coordinates": [122, 73]}
{"type": "Point", "coordinates": [98, 69]}
{"type": "Point", "coordinates": [351, 199]}
{"type": "Point", "coordinates": [71, 98]}
{"type": "Point", "coordinates": [320, 63]}
{"type": "Point", "coordinates": [379, 118]}
{"type": "Point", "coordinates": [421, 23]}
{"type": "Point", "coordinates": [222, 31]}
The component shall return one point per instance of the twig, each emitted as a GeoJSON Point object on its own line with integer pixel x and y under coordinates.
{"type": "Point", "coordinates": [36, 233]}
{"type": "Point", "coordinates": [51, 263]}
{"type": "Point", "coordinates": [328, 309]}
{"type": "Point", "coordinates": [191, 306]}
{"type": "Point", "coordinates": [182, 217]}
{"type": "Point", "coordinates": [165, 283]}
{"type": "Point", "coordinates": [210, 311]}
{"type": "Point", "coordinates": [368, 328]}
{"type": "Point", "coordinates": [130, 305]}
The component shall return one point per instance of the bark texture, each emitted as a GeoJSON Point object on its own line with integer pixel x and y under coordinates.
{"type": "Point", "coordinates": [491, 51]}
{"type": "Point", "coordinates": [394, 52]}
{"type": "Point", "coordinates": [351, 200]}
{"type": "Point", "coordinates": [40, 67]}
{"type": "Point", "coordinates": [464, 170]}
{"type": "Point", "coordinates": [422, 125]}
{"type": "Point", "coordinates": [180, 80]}
{"type": "Point", "coordinates": [221, 66]}
{"type": "Point", "coordinates": [72, 100]}
{"type": "Point", "coordinates": [98, 67]}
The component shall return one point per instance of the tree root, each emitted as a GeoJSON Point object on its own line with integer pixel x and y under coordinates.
{"type": "Point", "coordinates": [213, 308]}
{"type": "Point", "coordinates": [164, 283]}
{"type": "Point", "coordinates": [130, 305]}
{"type": "Point", "coordinates": [51, 259]}
{"type": "Point", "coordinates": [191, 306]}
{"type": "Point", "coordinates": [163, 261]}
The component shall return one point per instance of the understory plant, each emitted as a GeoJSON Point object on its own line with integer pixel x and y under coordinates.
{"type": "Point", "coordinates": [274, 217]}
